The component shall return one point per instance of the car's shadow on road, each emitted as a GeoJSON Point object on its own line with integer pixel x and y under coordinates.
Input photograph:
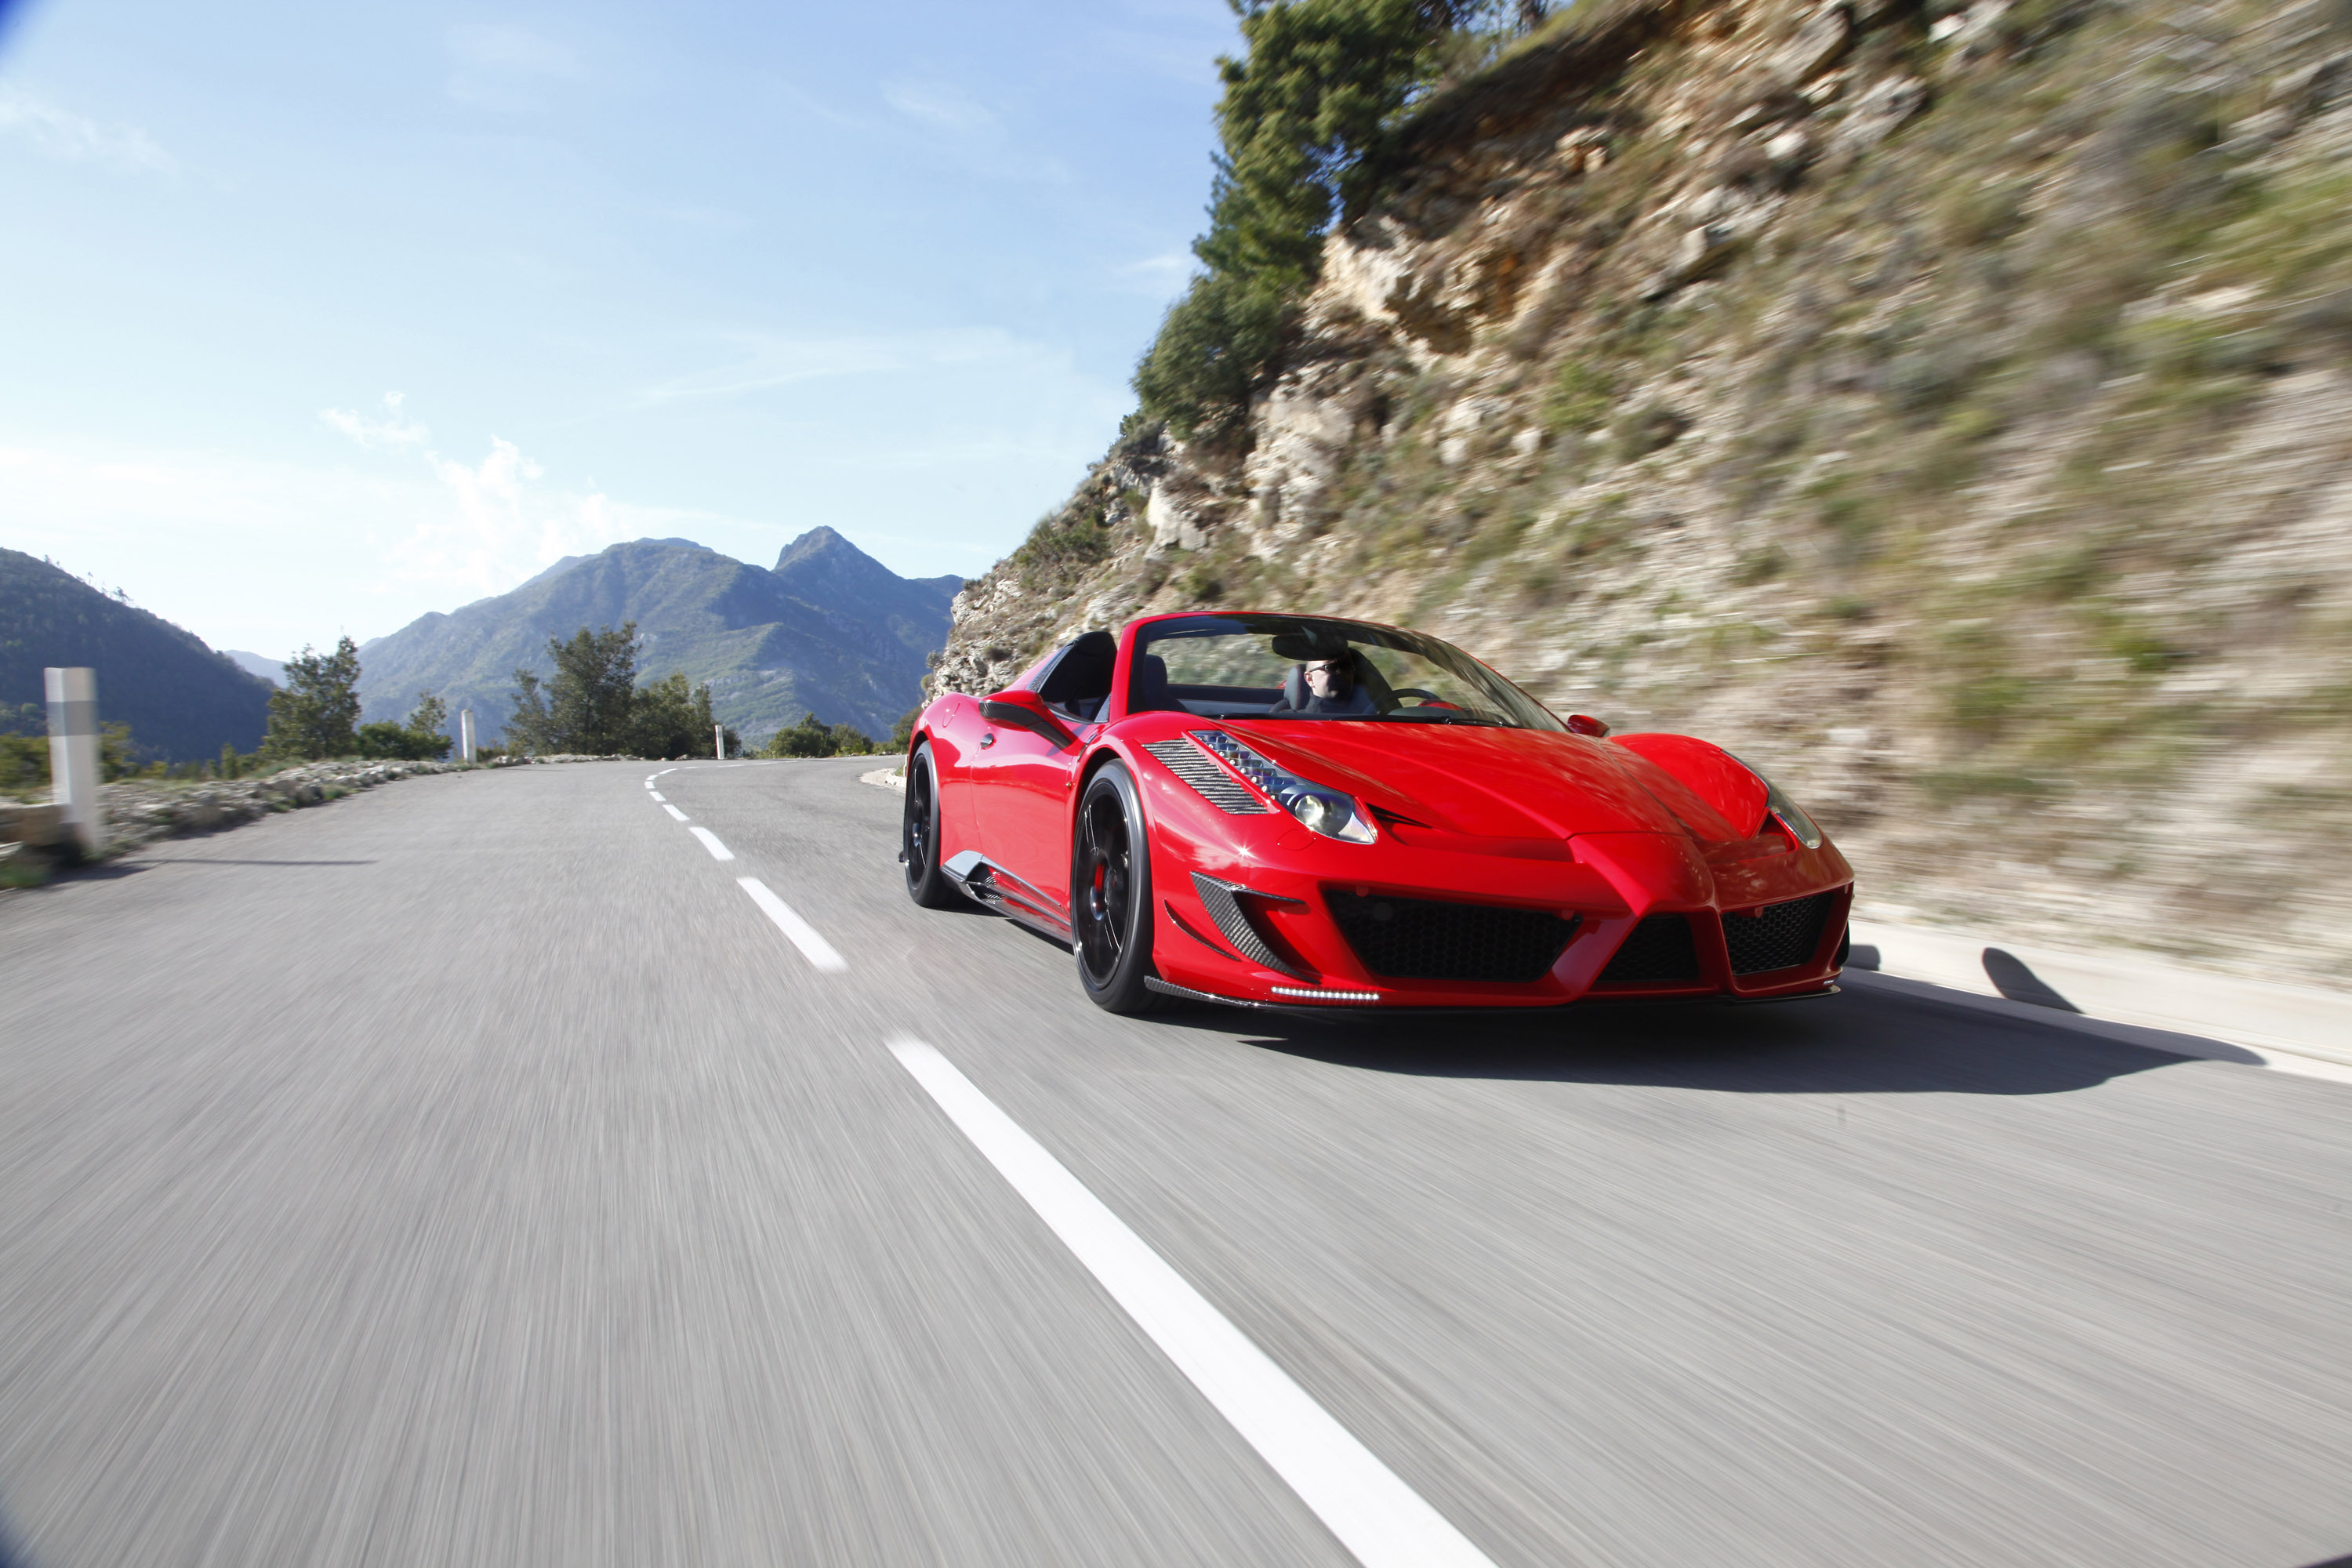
{"type": "Point", "coordinates": [1856, 1043]}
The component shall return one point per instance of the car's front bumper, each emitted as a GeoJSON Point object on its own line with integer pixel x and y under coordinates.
{"type": "Point", "coordinates": [1288, 951]}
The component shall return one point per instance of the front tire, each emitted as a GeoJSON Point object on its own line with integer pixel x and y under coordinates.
{"type": "Point", "coordinates": [1110, 894]}
{"type": "Point", "coordinates": [919, 836]}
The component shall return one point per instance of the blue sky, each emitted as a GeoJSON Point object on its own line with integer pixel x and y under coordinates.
{"type": "Point", "coordinates": [322, 316]}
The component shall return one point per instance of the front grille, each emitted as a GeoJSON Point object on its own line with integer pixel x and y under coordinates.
{"type": "Point", "coordinates": [1188, 762]}
{"type": "Point", "coordinates": [1418, 939]}
{"type": "Point", "coordinates": [1659, 953]}
{"type": "Point", "coordinates": [1777, 936]}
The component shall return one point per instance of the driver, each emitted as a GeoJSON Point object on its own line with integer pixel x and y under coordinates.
{"type": "Point", "coordinates": [1332, 688]}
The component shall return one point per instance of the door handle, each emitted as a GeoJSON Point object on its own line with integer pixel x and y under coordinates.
{"type": "Point", "coordinates": [988, 740]}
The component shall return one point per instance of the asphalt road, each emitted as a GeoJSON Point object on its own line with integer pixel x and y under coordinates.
{"type": "Point", "coordinates": [472, 1172]}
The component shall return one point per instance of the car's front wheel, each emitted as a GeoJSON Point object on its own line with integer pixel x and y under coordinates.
{"type": "Point", "coordinates": [1110, 894]}
{"type": "Point", "coordinates": [919, 836]}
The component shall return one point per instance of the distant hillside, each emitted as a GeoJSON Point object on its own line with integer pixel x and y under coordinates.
{"type": "Point", "coordinates": [829, 631]}
{"type": "Point", "coordinates": [272, 670]}
{"type": "Point", "coordinates": [181, 701]}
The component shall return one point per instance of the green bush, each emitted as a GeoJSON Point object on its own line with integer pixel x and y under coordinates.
{"type": "Point", "coordinates": [811, 737]}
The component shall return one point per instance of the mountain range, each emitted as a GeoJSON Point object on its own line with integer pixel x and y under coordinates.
{"type": "Point", "coordinates": [183, 700]}
{"type": "Point", "coordinates": [828, 630]}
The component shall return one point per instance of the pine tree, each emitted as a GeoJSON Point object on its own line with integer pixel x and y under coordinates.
{"type": "Point", "coordinates": [314, 711]}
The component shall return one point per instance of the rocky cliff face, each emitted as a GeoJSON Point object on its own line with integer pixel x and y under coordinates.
{"type": "Point", "coordinates": [1948, 410]}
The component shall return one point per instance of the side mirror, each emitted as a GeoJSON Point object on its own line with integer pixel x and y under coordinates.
{"type": "Point", "coordinates": [1025, 711]}
{"type": "Point", "coordinates": [1583, 724]}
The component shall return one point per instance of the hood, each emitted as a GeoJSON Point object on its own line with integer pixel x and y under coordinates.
{"type": "Point", "coordinates": [1492, 783]}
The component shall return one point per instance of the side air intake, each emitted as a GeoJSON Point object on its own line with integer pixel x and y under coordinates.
{"type": "Point", "coordinates": [1188, 761]}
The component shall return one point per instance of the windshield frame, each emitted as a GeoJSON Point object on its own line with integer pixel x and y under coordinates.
{"type": "Point", "coordinates": [1508, 706]}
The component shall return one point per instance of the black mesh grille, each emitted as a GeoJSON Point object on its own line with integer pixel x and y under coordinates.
{"type": "Point", "coordinates": [1188, 762]}
{"type": "Point", "coordinates": [1659, 953]}
{"type": "Point", "coordinates": [1417, 939]}
{"type": "Point", "coordinates": [1777, 936]}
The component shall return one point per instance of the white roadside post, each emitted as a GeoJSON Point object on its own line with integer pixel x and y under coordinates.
{"type": "Point", "coordinates": [465, 734]}
{"type": "Point", "coordinates": [718, 741]}
{"type": "Point", "coordinates": [73, 752]}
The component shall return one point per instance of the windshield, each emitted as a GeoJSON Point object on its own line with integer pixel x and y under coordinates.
{"type": "Point", "coordinates": [1295, 667]}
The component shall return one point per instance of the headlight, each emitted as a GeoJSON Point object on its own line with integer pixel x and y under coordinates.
{"type": "Point", "coordinates": [1792, 817]}
{"type": "Point", "coordinates": [1326, 810]}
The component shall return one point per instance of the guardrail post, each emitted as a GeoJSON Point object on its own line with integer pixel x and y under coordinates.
{"type": "Point", "coordinates": [465, 734]}
{"type": "Point", "coordinates": [718, 740]}
{"type": "Point", "coordinates": [73, 752]}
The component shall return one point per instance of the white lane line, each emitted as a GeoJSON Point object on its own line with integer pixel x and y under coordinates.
{"type": "Point", "coordinates": [709, 840]}
{"type": "Point", "coordinates": [1385, 1522]}
{"type": "Point", "coordinates": [674, 811]}
{"type": "Point", "coordinates": [661, 798]}
{"type": "Point", "coordinates": [814, 948]}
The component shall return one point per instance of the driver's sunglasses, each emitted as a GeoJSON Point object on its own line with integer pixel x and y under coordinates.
{"type": "Point", "coordinates": [1323, 667]}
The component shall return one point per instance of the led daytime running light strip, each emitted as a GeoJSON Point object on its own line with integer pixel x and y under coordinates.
{"type": "Point", "coordinates": [1327, 995]}
{"type": "Point", "coordinates": [1244, 762]}
{"type": "Point", "coordinates": [1329, 812]}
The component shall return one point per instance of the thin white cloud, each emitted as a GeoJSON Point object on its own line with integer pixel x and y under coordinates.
{"type": "Point", "coordinates": [391, 431]}
{"type": "Point", "coordinates": [1160, 275]}
{"type": "Point", "coordinates": [1190, 60]}
{"type": "Point", "coordinates": [944, 105]}
{"type": "Point", "coordinates": [77, 138]}
{"type": "Point", "coordinates": [503, 67]}
{"type": "Point", "coordinates": [764, 361]}
{"type": "Point", "coordinates": [960, 130]}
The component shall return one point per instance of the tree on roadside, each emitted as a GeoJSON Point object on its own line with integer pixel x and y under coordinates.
{"type": "Point", "coordinates": [593, 704]}
{"type": "Point", "coordinates": [670, 718]}
{"type": "Point", "coordinates": [902, 733]}
{"type": "Point", "coordinates": [313, 713]}
{"type": "Point", "coordinates": [1306, 112]}
{"type": "Point", "coordinates": [584, 707]}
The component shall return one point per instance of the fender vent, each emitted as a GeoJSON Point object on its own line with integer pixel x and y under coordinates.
{"type": "Point", "coordinates": [1658, 952]}
{"type": "Point", "coordinates": [1777, 936]}
{"type": "Point", "coordinates": [1420, 939]}
{"type": "Point", "coordinates": [1185, 758]}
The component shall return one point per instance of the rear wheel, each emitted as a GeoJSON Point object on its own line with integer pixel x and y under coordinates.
{"type": "Point", "coordinates": [919, 836]}
{"type": "Point", "coordinates": [1110, 894]}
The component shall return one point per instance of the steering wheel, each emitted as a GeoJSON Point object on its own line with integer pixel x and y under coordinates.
{"type": "Point", "coordinates": [1416, 691]}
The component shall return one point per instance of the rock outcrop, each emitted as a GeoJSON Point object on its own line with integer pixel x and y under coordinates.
{"type": "Point", "coordinates": [1948, 407]}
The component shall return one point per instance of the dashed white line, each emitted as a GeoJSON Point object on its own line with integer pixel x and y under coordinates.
{"type": "Point", "coordinates": [709, 840]}
{"type": "Point", "coordinates": [814, 948]}
{"type": "Point", "coordinates": [661, 798]}
{"type": "Point", "coordinates": [1385, 1522]}
{"type": "Point", "coordinates": [674, 811]}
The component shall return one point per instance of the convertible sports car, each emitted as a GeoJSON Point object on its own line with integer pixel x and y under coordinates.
{"type": "Point", "coordinates": [1293, 811]}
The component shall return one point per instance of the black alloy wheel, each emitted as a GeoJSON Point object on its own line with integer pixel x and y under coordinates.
{"type": "Point", "coordinates": [919, 837]}
{"type": "Point", "coordinates": [1110, 894]}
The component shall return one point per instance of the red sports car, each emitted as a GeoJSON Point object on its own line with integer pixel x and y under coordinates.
{"type": "Point", "coordinates": [1294, 811]}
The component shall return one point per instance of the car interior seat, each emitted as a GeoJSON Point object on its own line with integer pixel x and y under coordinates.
{"type": "Point", "coordinates": [1147, 688]}
{"type": "Point", "coordinates": [1080, 682]}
